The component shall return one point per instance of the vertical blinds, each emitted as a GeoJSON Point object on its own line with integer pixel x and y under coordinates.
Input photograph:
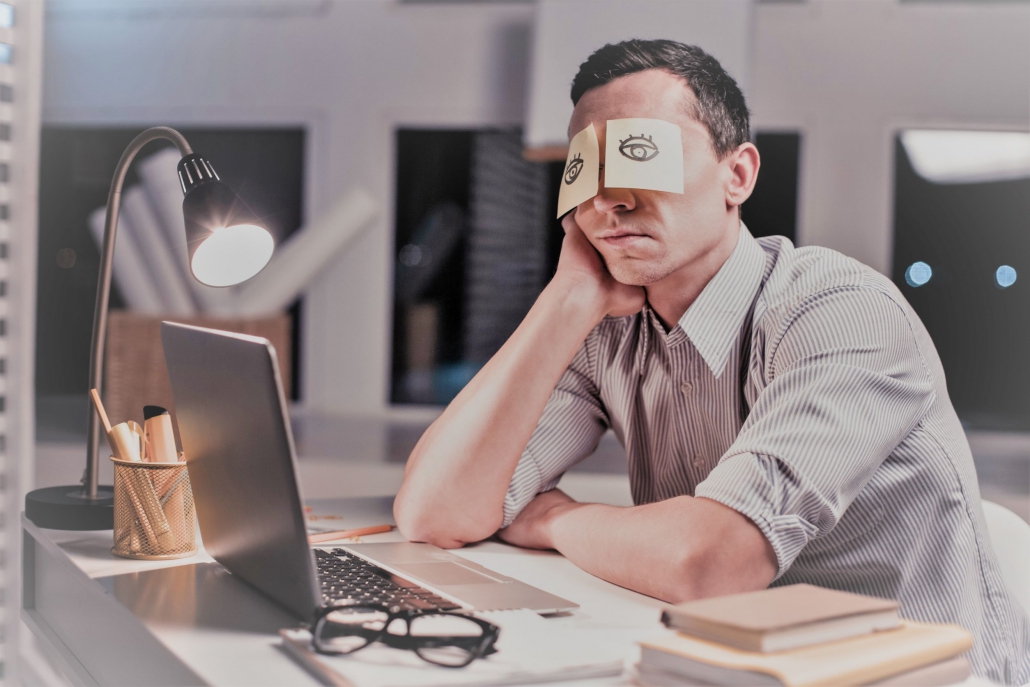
{"type": "Point", "coordinates": [8, 311]}
{"type": "Point", "coordinates": [20, 88]}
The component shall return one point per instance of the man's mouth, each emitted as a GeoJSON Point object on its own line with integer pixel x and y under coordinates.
{"type": "Point", "coordinates": [621, 238]}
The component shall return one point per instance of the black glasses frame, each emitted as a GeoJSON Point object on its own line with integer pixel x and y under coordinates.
{"type": "Point", "coordinates": [477, 647]}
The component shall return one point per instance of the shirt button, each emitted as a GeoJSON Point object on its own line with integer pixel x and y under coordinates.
{"type": "Point", "coordinates": [699, 461]}
{"type": "Point", "coordinates": [686, 387]}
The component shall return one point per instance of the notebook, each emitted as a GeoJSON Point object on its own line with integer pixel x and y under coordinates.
{"type": "Point", "coordinates": [782, 618]}
{"type": "Point", "coordinates": [855, 661]}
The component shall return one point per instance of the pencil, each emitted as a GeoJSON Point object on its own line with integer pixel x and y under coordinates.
{"type": "Point", "coordinates": [344, 534]}
{"type": "Point", "coordinates": [100, 410]}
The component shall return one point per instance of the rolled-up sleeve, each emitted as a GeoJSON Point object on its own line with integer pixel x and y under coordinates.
{"type": "Point", "coordinates": [847, 383]}
{"type": "Point", "coordinates": [569, 429]}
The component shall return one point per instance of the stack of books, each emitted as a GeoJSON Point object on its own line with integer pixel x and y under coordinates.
{"type": "Point", "coordinates": [802, 636]}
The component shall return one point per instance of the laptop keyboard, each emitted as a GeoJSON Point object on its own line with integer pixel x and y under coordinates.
{"type": "Point", "coordinates": [344, 576]}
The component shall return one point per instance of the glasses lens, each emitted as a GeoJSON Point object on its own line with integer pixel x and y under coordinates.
{"type": "Point", "coordinates": [346, 630]}
{"type": "Point", "coordinates": [446, 639]}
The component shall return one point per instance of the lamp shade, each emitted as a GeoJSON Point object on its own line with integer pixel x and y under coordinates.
{"type": "Point", "coordinates": [227, 243]}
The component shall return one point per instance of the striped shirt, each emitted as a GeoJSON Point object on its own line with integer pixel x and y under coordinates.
{"type": "Point", "coordinates": [851, 460]}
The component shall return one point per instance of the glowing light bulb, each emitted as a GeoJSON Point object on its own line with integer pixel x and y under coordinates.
{"type": "Point", "coordinates": [231, 255]}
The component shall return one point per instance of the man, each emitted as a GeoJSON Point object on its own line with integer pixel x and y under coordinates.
{"type": "Point", "coordinates": [784, 411]}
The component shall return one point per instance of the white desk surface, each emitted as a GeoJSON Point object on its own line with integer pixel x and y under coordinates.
{"type": "Point", "coordinates": [224, 632]}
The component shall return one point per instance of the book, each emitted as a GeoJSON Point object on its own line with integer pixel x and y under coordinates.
{"type": "Point", "coordinates": [951, 671]}
{"type": "Point", "coordinates": [782, 618]}
{"type": "Point", "coordinates": [855, 661]}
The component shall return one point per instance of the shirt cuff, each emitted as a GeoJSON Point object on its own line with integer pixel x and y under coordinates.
{"type": "Point", "coordinates": [525, 484]}
{"type": "Point", "coordinates": [754, 486]}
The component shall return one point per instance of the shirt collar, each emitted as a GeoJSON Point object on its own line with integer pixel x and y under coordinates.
{"type": "Point", "coordinates": [713, 321]}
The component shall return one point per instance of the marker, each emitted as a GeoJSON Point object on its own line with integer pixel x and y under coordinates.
{"type": "Point", "coordinates": [159, 436]}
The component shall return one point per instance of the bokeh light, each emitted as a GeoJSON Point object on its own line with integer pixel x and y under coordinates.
{"type": "Point", "coordinates": [917, 274]}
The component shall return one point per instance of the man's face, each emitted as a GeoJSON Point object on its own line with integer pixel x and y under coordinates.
{"type": "Point", "coordinates": [644, 236]}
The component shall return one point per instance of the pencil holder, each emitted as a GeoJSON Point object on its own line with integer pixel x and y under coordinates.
{"type": "Point", "coordinates": [153, 510]}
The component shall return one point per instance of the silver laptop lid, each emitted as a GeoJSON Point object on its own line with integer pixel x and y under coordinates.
{"type": "Point", "coordinates": [242, 469]}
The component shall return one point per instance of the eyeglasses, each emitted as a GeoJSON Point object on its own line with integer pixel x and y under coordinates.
{"type": "Point", "coordinates": [452, 640]}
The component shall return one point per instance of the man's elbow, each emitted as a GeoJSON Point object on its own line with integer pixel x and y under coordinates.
{"type": "Point", "coordinates": [711, 567]}
{"type": "Point", "coordinates": [437, 525]}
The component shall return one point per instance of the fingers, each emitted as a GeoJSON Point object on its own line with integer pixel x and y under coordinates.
{"type": "Point", "coordinates": [568, 222]}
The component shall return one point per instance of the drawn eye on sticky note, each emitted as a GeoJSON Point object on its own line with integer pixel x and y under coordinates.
{"type": "Point", "coordinates": [582, 171]}
{"type": "Point", "coordinates": [643, 153]}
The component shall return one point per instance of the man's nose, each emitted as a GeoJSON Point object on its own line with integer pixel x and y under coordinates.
{"type": "Point", "coordinates": [614, 200]}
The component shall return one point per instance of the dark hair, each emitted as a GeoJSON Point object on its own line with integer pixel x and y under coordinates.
{"type": "Point", "coordinates": [718, 103]}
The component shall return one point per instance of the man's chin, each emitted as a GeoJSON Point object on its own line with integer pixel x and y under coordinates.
{"type": "Point", "coordinates": [637, 272]}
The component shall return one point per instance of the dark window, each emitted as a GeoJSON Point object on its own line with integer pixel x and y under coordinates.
{"type": "Point", "coordinates": [472, 253]}
{"type": "Point", "coordinates": [772, 209]}
{"type": "Point", "coordinates": [950, 240]}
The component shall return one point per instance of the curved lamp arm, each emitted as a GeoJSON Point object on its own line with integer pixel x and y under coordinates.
{"type": "Point", "coordinates": [96, 364]}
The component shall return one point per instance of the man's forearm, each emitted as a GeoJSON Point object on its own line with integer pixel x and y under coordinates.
{"type": "Point", "coordinates": [676, 550]}
{"type": "Point", "coordinates": [457, 475]}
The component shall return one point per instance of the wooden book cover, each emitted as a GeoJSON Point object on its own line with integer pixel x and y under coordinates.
{"type": "Point", "coordinates": [854, 661]}
{"type": "Point", "coordinates": [783, 617]}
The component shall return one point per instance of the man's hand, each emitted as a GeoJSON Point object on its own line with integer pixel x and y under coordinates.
{"type": "Point", "coordinates": [676, 550]}
{"type": "Point", "coordinates": [531, 529]}
{"type": "Point", "coordinates": [580, 265]}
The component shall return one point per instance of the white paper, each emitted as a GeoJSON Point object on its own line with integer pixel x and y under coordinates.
{"type": "Point", "coordinates": [149, 237]}
{"type": "Point", "coordinates": [130, 273]}
{"type": "Point", "coordinates": [582, 171]}
{"type": "Point", "coordinates": [643, 153]}
{"type": "Point", "coordinates": [529, 649]}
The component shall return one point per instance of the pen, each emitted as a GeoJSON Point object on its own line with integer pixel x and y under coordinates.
{"type": "Point", "coordinates": [344, 534]}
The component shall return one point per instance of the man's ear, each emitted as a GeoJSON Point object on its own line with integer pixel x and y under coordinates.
{"type": "Point", "coordinates": [743, 164]}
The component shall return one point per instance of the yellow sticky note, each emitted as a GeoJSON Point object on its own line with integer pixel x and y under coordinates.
{"type": "Point", "coordinates": [582, 171]}
{"type": "Point", "coordinates": [643, 153]}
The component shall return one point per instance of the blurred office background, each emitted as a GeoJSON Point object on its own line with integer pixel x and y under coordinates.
{"type": "Point", "coordinates": [894, 131]}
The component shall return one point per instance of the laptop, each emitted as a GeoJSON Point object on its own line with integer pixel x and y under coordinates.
{"type": "Point", "coordinates": [235, 430]}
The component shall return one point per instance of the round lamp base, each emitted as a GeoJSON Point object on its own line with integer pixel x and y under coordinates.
{"type": "Point", "coordinates": [68, 508]}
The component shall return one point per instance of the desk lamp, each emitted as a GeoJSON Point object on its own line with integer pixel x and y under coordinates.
{"type": "Point", "coordinates": [226, 245]}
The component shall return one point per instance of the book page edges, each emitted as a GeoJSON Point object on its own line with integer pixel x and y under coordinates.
{"type": "Point", "coordinates": [778, 608]}
{"type": "Point", "coordinates": [848, 662]}
{"type": "Point", "coordinates": [787, 637]}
